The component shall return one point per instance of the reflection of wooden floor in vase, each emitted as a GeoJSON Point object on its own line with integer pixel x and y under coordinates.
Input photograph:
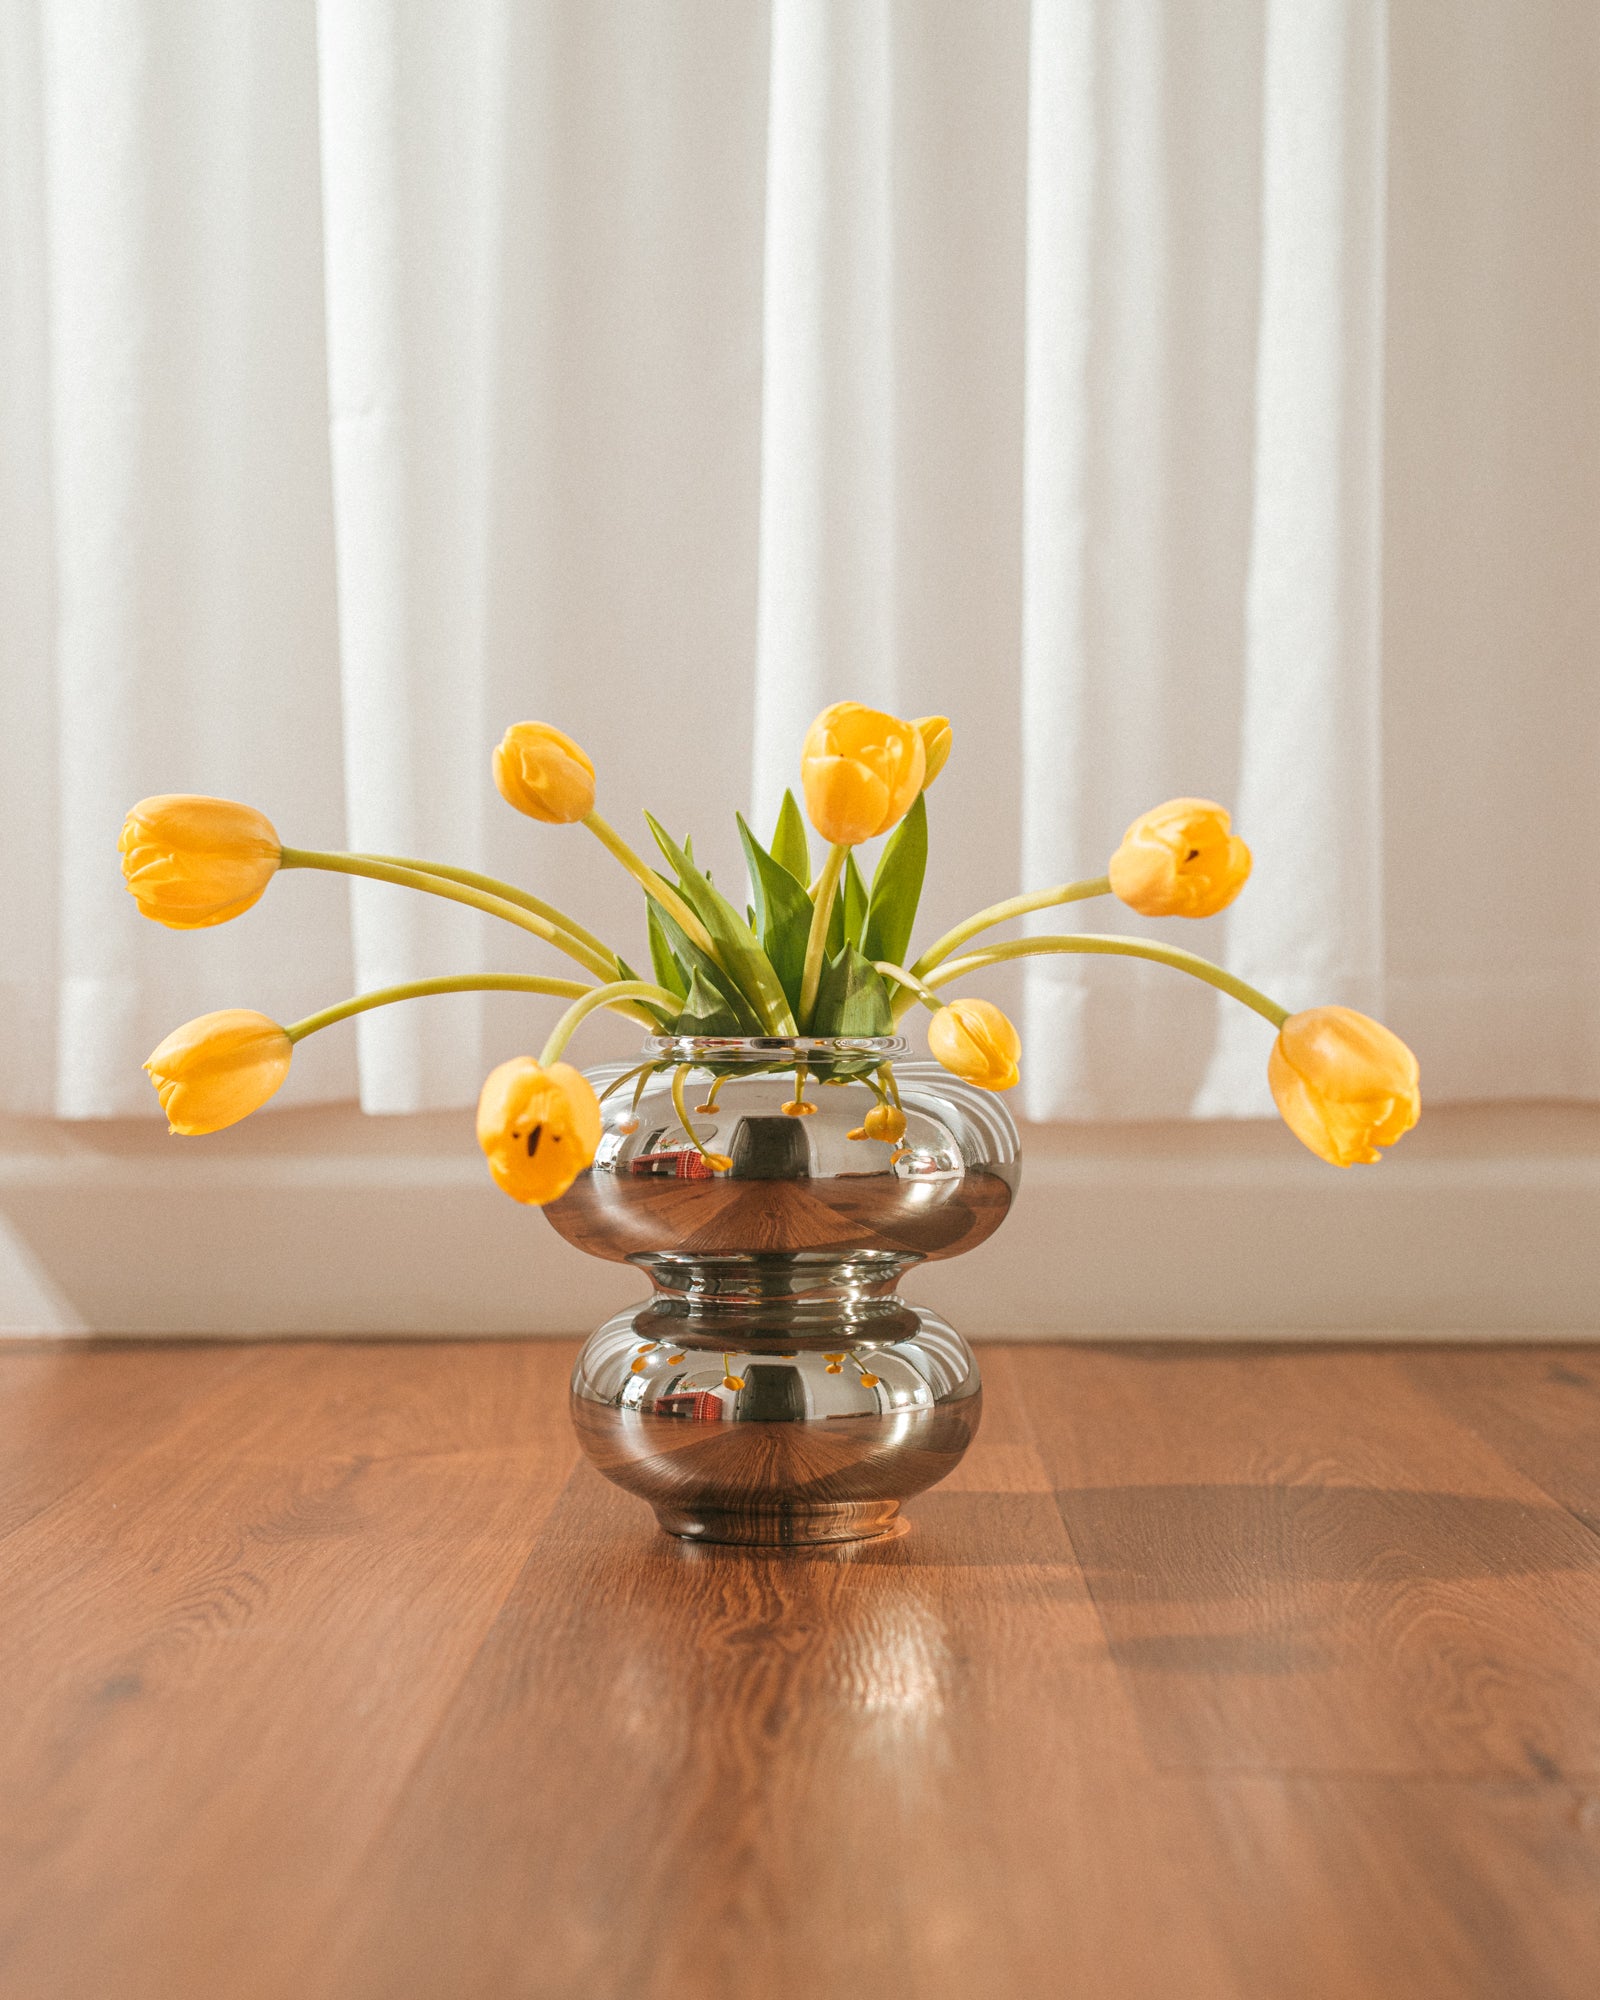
{"type": "Point", "coordinates": [758, 1465]}
{"type": "Point", "coordinates": [615, 1217]}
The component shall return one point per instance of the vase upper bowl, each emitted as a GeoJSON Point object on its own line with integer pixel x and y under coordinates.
{"type": "Point", "coordinates": [789, 1172]}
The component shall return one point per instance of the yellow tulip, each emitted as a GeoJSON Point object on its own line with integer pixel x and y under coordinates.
{"type": "Point", "coordinates": [936, 733]}
{"type": "Point", "coordinates": [538, 1128]}
{"type": "Point", "coordinates": [1180, 860]}
{"type": "Point", "coordinates": [861, 771]}
{"type": "Point", "coordinates": [190, 862]}
{"type": "Point", "coordinates": [214, 1071]}
{"type": "Point", "coordinates": [543, 774]}
{"type": "Point", "coordinates": [974, 1040]}
{"type": "Point", "coordinates": [1345, 1084]}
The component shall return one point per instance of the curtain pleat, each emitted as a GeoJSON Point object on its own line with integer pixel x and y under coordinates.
{"type": "Point", "coordinates": [1186, 396]}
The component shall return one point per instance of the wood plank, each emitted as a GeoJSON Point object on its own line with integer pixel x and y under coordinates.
{"type": "Point", "coordinates": [1538, 1407]}
{"type": "Point", "coordinates": [1304, 1564]}
{"type": "Point", "coordinates": [346, 1683]}
{"type": "Point", "coordinates": [71, 1409]}
{"type": "Point", "coordinates": [694, 1771]}
{"type": "Point", "coordinates": [219, 1660]}
{"type": "Point", "coordinates": [1419, 1888]}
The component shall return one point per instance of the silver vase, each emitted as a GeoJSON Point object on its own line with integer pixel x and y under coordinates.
{"type": "Point", "coordinates": [775, 1390]}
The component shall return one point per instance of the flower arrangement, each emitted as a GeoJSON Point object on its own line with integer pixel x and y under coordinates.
{"type": "Point", "coordinates": [814, 955]}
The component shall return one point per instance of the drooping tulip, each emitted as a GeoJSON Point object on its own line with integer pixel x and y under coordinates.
{"type": "Point", "coordinates": [538, 1128]}
{"type": "Point", "coordinates": [1345, 1084]}
{"type": "Point", "coordinates": [974, 1040]}
{"type": "Point", "coordinates": [190, 862]}
{"type": "Point", "coordinates": [544, 774]}
{"type": "Point", "coordinates": [861, 771]}
{"type": "Point", "coordinates": [214, 1071]}
{"type": "Point", "coordinates": [936, 735]}
{"type": "Point", "coordinates": [1181, 859]}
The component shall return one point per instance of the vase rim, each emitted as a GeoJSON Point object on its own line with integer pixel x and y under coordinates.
{"type": "Point", "coordinates": [767, 1048]}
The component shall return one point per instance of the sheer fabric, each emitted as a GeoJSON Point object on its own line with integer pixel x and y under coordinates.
{"type": "Point", "coordinates": [1197, 397]}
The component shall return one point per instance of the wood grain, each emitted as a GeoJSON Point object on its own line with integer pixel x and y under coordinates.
{"type": "Point", "coordinates": [1303, 1563]}
{"type": "Point", "coordinates": [1230, 1674]}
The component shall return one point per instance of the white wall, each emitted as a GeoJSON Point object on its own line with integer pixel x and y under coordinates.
{"type": "Point", "coordinates": [1484, 1222]}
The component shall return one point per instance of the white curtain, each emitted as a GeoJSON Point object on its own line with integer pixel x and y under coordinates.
{"type": "Point", "coordinates": [1183, 395]}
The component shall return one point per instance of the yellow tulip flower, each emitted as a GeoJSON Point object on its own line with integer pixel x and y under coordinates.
{"type": "Point", "coordinates": [190, 862]}
{"type": "Point", "coordinates": [1345, 1084]}
{"type": "Point", "coordinates": [538, 1128]}
{"type": "Point", "coordinates": [218, 1069]}
{"type": "Point", "coordinates": [543, 774]}
{"type": "Point", "coordinates": [861, 771]}
{"type": "Point", "coordinates": [974, 1040]}
{"type": "Point", "coordinates": [936, 735]}
{"type": "Point", "coordinates": [1180, 859]}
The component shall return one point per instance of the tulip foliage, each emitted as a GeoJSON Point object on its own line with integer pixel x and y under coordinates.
{"type": "Point", "coordinates": [816, 954]}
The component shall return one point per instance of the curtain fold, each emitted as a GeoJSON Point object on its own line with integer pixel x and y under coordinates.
{"type": "Point", "coordinates": [1186, 396]}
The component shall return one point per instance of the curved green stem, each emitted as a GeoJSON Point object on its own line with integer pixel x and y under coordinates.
{"type": "Point", "coordinates": [913, 985]}
{"type": "Point", "coordinates": [1002, 913]}
{"type": "Point", "coordinates": [817, 938]}
{"type": "Point", "coordinates": [1118, 947]}
{"type": "Point", "coordinates": [602, 963]}
{"type": "Point", "coordinates": [602, 996]}
{"type": "Point", "coordinates": [652, 883]}
{"type": "Point", "coordinates": [417, 989]}
{"type": "Point", "coordinates": [508, 892]}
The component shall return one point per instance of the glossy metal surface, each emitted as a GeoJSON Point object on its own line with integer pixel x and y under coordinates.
{"type": "Point", "coordinates": [775, 1389]}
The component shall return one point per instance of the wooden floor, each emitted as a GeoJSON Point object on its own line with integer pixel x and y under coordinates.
{"type": "Point", "coordinates": [327, 1673]}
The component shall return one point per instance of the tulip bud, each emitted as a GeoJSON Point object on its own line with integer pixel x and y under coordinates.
{"type": "Point", "coordinates": [861, 770]}
{"type": "Point", "coordinates": [190, 862]}
{"type": "Point", "coordinates": [218, 1069]}
{"type": "Point", "coordinates": [936, 734]}
{"type": "Point", "coordinates": [538, 1128]}
{"type": "Point", "coordinates": [1180, 860]}
{"type": "Point", "coordinates": [1345, 1084]}
{"type": "Point", "coordinates": [974, 1040]}
{"type": "Point", "coordinates": [543, 774]}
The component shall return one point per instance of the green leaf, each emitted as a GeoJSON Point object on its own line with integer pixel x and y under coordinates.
{"type": "Point", "coordinates": [667, 969]}
{"type": "Point", "coordinates": [695, 963]}
{"type": "Point", "coordinates": [897, 888]}
{"type": "Point", "coordinates": [782, 913]}
{"type": "Point", "coordinates": [706, 1012]}
{"type": "Point", "coordinates": [736, 945]}
{"type": "Point", "coordinates": [662, 1013]}
{"type": "Point", "coordinates": [853, 892]}
{"type": "Point", "coordinates": [791, 849]}
{"type": "Point", "coordinates": [848, 915]}
{"type": "Point", "coordinates": [852, 999]}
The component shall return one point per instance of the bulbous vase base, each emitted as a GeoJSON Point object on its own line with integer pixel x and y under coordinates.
{"type": "Point", "coordinates": [745, 1434]}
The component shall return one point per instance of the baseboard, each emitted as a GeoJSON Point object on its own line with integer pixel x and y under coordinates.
{"type": "Point", "coordinates": [1483, 1224]}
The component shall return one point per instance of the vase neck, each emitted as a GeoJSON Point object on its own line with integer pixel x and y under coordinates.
{"type": "Point", "coordinates": [780, 1298]}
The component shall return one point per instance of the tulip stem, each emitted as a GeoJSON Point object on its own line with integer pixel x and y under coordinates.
{"type": "Point", "coordinates": [817, 938]}
{"type": "Point", "coordinates": [653, 884]}
{"type": "Point", "coordinates": [1002, 913]}
{"type": "Point", "coordinates": [508, 892]}
{"type": "Point", "coordinates": [611, 995]}
{"type": "Point", "coordinates": [913, 985]}
{"type": "Point", "coordinates": [602, 963]}
{"type": "Point", "coordinates": [417, 989]}
{"type": "Point", "coordinates": [1118, 947]}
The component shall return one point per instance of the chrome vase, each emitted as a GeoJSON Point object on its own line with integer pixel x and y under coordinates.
{"type": "Point", "coordinates": [774, 1389]}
